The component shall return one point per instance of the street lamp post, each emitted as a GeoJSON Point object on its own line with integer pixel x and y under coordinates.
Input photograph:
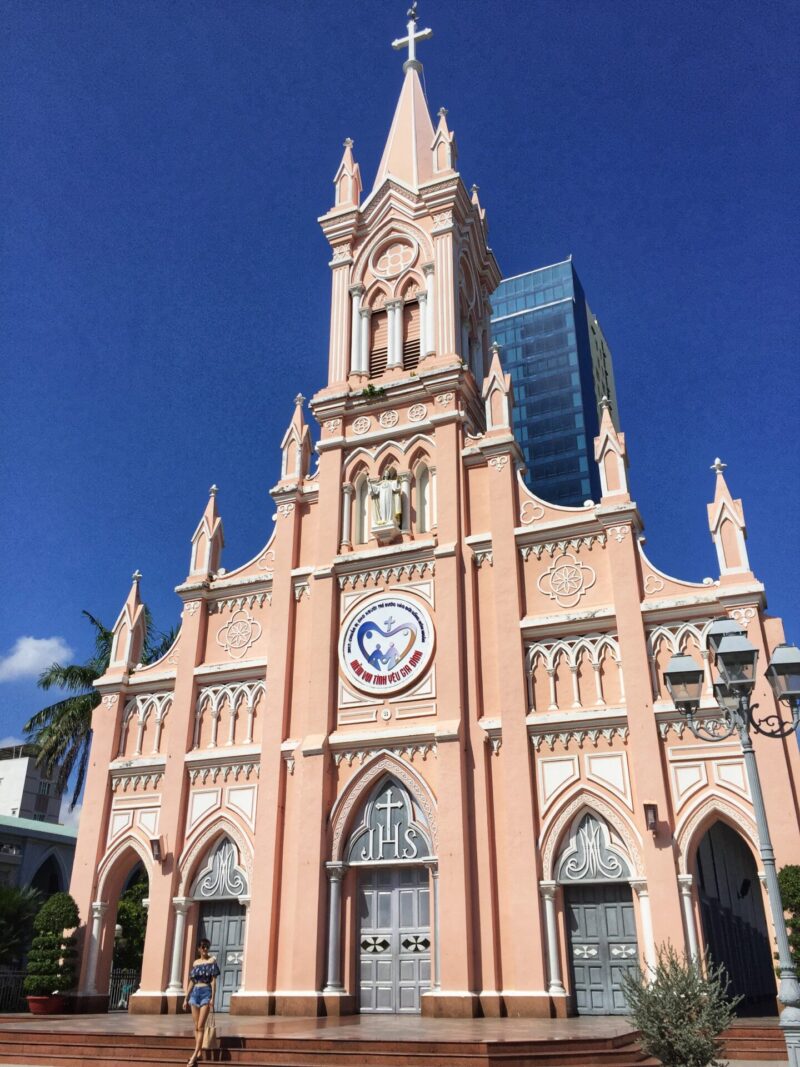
{"type": "Point", "coordinates": [735, 659]}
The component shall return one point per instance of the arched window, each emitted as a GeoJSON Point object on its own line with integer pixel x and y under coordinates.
{"type": "Point", "coordinates": [423, 501]}
{"type": "Point", "coordinates": [362, 510]}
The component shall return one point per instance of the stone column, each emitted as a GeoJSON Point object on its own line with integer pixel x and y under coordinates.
{"type": "Point", "coordinates": [245, 902]}
{"type": "Point", "coordinates": [465, 342]}
{"type": "Point", "coordinates": [356, 292]}
{"type": "Point", "coordinates": [99, 908]}
{"type": "Point", "coordinates": [404, 478]}
{"type": "Point", "coordinates": [340, 315]}
{"type": "Point", "coordinates": [685, 883]}
{"type": "Point", "coordinates": [181, 906]}
{"type": "Point", "coordinates": [430, 332]}
{"type": "Point", "coordinates": [336, 872]}
{"type": "Point", "coordinates": [433, 867]}
{"type": "Point", "coordinates": [548, 891]}
{"type": "Point", "coordinates": [347, 514]}
{"type": "Point", "coordinates": [433, 514]}
{"type": "Point", "coordinates": [395, 353]}
{"type": "Point", "coordinates": [639, 886]}
{"type": "Point", "coordinates": [366, 315]}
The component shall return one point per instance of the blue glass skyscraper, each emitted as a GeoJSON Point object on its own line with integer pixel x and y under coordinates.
{"type": "Point", "coordinates": [560, 364]}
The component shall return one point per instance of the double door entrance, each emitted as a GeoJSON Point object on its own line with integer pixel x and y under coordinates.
{"type": "Point", "coordinates": [394, 941]}
{"type": "Point", "coordinates": [222, 922]}
{"type": "Point", "coordinates": [602, 945]}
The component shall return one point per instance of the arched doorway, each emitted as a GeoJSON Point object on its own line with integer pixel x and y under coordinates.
{"type": "Point", "coordinates": [129, 933]}
{"type": "Point", "coordinates": [595, 874]}
{"type": "Point", "coordinates": [390, 857]}
{"type": "Point", "coordinates": [49, 878]}
{"type": "Point", "coordinates": [732, 913]}
{"type": "Point", "coordinates": [219, 888]}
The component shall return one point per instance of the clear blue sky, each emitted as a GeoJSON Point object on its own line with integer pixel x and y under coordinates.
{"type": "Point", "coordinates": [164, 288]}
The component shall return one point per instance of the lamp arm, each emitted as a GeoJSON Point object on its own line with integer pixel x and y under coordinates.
{"type": "Point", "coordinates": [709, 729]}
{"type": "Point", "coordinates": [773, 723]}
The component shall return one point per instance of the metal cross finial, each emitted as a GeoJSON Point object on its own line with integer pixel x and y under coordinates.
{"type": "Point", "coordinates": [213, 490]}
{"type": "Point", "coordinates": [348, 142]}
{"type": "Point", "coordinates": [410, 40]}
{"type": "Point", "coordinates": [136, 576]}
{"type": "Point", "coordinates": [299, 400]}
{"type": "Point", "coordinates": [718, 465]}
{"type": "Point", "coordinates": [442, 112]}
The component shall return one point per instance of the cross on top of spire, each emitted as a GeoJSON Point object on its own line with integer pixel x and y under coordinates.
{"type": "Point", "coordinates": [410, 40]}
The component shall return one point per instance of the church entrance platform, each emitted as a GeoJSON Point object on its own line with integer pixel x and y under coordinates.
{"type": "Point", "coordinates": [119, 1040]}
{"type": "Point", "coordinates": [390, 1041]}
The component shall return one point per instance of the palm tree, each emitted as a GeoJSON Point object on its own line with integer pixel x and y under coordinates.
{"type": "Point", "coordinates": [63, 731]}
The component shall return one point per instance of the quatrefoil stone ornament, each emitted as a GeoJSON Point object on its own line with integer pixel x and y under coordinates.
{"type": "Point", "coordinates": [567, 580]}
{"type": "Point", "coordinates": [239, 634]}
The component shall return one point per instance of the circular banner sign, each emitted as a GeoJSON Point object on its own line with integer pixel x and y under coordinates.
{"type": "Point", "coordinates": [386, 645]}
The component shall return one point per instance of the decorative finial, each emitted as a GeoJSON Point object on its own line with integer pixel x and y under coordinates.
{"type": "Point", "coordinates": [718, 466]}
{"type": "Point", "coordinates": [213, 490]}
{"type": "Point", "coordinates": [605, 403]}
{"type": "Point", "coordinates": [410, 40]}
{"type": "Point", "coordinates": [442, 112]}
{"type": "Point", "coordinates": [136, 576]}
{"type": "Point", "coordinates": [348, 142]}
{"type": "Point", "coordinates": [495, 349]}
{"type": "Point", "coordinates": [474, 189]}
{"type": "Point", "coordinates": [299, 400]}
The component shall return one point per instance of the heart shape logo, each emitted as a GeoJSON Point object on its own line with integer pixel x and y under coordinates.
{"type": "Point", "coordinates": [378, 647]}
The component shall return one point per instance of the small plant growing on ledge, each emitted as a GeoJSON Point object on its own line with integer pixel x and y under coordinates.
{"type": "Point", "coordinates": [51, 960]}
{"type": "Point", "coordinates": [680, 1008]}
{"type": "Point", "coordinates": [371, 393]}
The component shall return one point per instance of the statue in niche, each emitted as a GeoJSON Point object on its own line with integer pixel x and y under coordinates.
{"type": "Point", "coordinates": [387, 502]}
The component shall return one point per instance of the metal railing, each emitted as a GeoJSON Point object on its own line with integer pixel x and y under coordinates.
{"type": "Point", "coordinates": [120, 987]}
{"type": "Point", "coordinates": [11, 996]}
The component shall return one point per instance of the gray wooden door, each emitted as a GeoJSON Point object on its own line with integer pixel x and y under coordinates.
{"type": "Point", "coordinates": [222, 922]}
{"type": "Point", "coordinates": [602, 945]}
{"type": "Point", "coordinates": [394, 939]}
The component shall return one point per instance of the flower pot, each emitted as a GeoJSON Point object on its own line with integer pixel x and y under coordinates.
{"type": "Point", "coordinates": [52, 1005]}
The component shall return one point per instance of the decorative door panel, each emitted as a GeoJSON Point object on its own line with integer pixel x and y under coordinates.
{"type": "Point", "coordinates": [223, 923]}
{"type": "Point", "coordinates": [602, 945]}
{"type": "Point", "coordinates": [394, 939]}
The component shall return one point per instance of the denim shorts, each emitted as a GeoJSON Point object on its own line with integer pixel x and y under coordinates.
{"type": "Point", "coordinates": [200, 996]}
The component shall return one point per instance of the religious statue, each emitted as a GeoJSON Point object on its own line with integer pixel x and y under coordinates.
{"type": "Point", "coordinates": [387, 502]}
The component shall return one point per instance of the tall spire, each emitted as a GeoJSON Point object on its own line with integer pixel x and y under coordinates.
{"type": "Point", "coordinates": [407, 156]}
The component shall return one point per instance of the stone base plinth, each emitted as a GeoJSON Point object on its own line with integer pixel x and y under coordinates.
{"type": "Point", "coordinates": [87, 1003]}
{"type": "Point", "coordinates": [439, 1004]}
{"type": "Point", "coordinates": [252, 1003]}
{"type": "Point", "coordinates": [531, 1005]}
{"type": "Point", "coordinates": [337, 1004]}
{"type": "Point", "coordinates": [150, 1003]}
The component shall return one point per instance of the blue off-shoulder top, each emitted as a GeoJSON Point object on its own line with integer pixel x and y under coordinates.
{"type": "Point", "coordinates": [204, 972]}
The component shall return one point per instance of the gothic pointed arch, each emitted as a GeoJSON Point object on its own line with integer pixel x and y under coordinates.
{"type": "Point", "coordinates": [348, 807]}
{"type": "Point", "coordinates": [566, 819]}
{"type": "Point", "coordinates": [119, 859]}
{"type": "Point", "coordinates": [391, 828]}
{"type": "Point", "coordinates": [197, 850]}
{"type": "Point", "coordinates": [221, 877]}
{"type": "Point", "coordinates": [699, 819]}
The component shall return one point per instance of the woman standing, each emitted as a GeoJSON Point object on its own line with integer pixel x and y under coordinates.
{"type": "Point", "coordinates": [202, 990]}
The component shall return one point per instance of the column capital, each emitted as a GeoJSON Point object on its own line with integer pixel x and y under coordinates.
{"type": "Point", "coordinates": [181, 904]}
{"type": "Point", "coordinates": [357, 289]}
{"type": "Point", "coordinates": [431, 865]}
{"type": "Point", "coordinates": [404, 476]}
{"type": "Point", "coordinates": [639, 886]}
{"type": "Point", "coordinates": [99, 908]}
{"type": "Point", "coordinates": [392, 305]}
{"type": "Point", "coordinates": [427, 268]}
{"type": "Point", "coordinates": [685, 881]}
{"type": "Point", "coordinates": [365, 313]}
{"type": "Point", "coordinates": [347, 487]}
{"type": "Point", "coordinates": [336, 871]}
{"type": "Point", "coordinates": [548, 890]}
{"type": "Point", "coordinates": [244, 901]}
{"type": "Point", "coordinates": [422, 296]}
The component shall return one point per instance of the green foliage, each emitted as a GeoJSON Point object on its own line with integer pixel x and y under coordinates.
{"type": "Point", "coordinates": [371, 393]}
{"type": "Point", "coordinates": [63, 731]}
{"type": "Point", "coordinates": [132, 917]}
{"type": "Point", "coordinates": [51, 960]}
{"type": "Point", "coordinates": [17, 910]}
{"type": "Point", "coordinates": [681, 1009]}
{"type": "Point", "coordinates": [789, 882]}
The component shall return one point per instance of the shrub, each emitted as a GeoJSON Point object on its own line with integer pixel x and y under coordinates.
{"type": "Point", "coordinates": [789, 882]}
{"type": "Point", "coordinates": [681, 1009]}
{"type": "Point", "coordinates": [51, 960]}
{"type": "Point", "coordinates": [18, 907]}
{"type": "Point", "coordinates": [132, 918]}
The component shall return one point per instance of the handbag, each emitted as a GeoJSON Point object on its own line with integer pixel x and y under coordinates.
{"type": "Point", "coordinates": [210, 1036]}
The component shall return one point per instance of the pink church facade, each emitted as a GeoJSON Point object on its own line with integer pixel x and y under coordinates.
{"type": "Point", "coordinates": [399, 761]}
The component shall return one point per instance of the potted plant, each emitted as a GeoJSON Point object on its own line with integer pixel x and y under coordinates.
{"type": "Point", "coordinates": [51, 960]}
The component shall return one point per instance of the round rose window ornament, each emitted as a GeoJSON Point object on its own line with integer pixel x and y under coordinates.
{"type": "Point", "coordinates": [386, 645]}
